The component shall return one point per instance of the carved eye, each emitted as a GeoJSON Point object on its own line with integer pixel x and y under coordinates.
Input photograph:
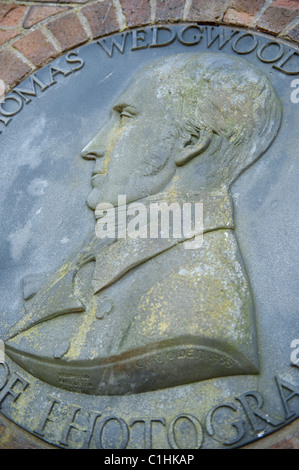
{"type": "Point", "coordinates": [124, 111]}
{"type": "Point", "coordinates": [124, 114]}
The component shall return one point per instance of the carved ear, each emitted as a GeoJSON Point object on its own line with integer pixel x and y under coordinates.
{"type": "Point", "coordinates": [194, 145]}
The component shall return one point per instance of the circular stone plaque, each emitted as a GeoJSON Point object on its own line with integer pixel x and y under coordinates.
{"type": "Point", "coordinates": [149, 264]}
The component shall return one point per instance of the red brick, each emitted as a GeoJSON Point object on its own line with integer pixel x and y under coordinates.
{"type": "Point", "coordinates": [206, 10]}
{"type": "Point", "coordinates": [60, 1]}
{"type": "Point", "coordinates": [137, 12]}
{"type": "Point", "coordinates": [169, 10]}
{"type": "Point", "coordinates": [12, 69]}
{"type": "Point", "coordinates": [68, 31]}
{"type": "Point", "coordinates": [36, 48]}
{"type": "Point", "coordinates": [6, 36]}
{"type": "Point", "coordinates": [39, 13]}
{"type": "Point", "coordinates": [101, 18]}
{"type": "Point", "coordinates": [73, 1]}
{"type": "Point", "coordinates": [11, 14]}
{"type": "Point", "coordinates": [242, 12]}
{"type": "Point", "coordinates": [288, 4]}
{"type": "Point", "coordinates": [293, 34]}
{"type": "Point", "coordinates": [239, 18]}
{"type": "Point", "coordinates": [284, 444]}
{"type": "Point", "coordinates": [276, 19]}
{"type": "Point", "coordinates": [252, 7]}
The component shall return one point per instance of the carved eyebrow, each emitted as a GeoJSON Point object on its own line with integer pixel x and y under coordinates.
{"type": "Point", "coordinates": [120, 107]}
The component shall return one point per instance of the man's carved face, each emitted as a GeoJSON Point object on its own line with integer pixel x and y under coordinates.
{"type": "Point", "coordinates": [132, 152]}
{"type": "Point", "coordinates": [200, 107]}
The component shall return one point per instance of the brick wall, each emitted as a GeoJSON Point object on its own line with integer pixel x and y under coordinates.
{"type": "Point", "coordinates": [32, 33]}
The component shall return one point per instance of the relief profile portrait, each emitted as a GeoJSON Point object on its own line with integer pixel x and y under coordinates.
{"type": "Point", "coordinates": [134, 315]}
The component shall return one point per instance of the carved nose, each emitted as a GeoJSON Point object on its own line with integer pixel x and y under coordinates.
{"type": "Point", "coordinates": [95, 148]}
{"type": "Point", "coordinates": [92, 152]}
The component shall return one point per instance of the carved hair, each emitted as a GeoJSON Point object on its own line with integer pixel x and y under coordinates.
{"type": "Point", "coordinates": [223, 94]}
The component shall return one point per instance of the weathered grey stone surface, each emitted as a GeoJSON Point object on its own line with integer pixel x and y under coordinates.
{"type": "Point", "coordinates": [119, 318]}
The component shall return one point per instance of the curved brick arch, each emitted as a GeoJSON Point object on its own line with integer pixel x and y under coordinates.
{"type": "Point", "coordinates": [32, 33]}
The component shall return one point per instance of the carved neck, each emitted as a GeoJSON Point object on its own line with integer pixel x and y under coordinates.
{"type": "Point", "coordinates": [217, 205]}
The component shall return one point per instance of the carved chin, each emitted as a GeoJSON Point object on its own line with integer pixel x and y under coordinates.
{"type": "Point", "coordinates": [94, 198]}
